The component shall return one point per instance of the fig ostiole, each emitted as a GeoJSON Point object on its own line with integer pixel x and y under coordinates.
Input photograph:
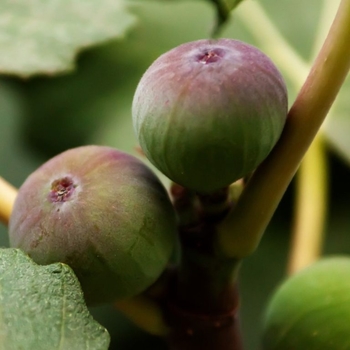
{"type": "Point", "coordinates": [311, 309]}
{"type": "Point", "coordinates": [102, 212]}
{"type": "Point", "coordinates": [208, 112]}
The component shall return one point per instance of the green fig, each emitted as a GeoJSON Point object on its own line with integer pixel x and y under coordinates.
{"type": "Point", "coordinates": [102, 212]}
{"type": "Point", "coordinates": [311, 310]}
{"type": "Point", "coordinates": [208, 112]}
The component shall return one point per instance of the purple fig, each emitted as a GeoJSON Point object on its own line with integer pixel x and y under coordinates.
{"type": "Point", "coordinates": [102, 212]}
{"type": "Point", "coordinates": [208, 112]}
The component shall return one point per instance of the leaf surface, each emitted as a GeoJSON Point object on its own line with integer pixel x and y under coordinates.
{"type": "Point", "coordinates": [42, 307]}
{"type": "Point", "coordinates": [44, 36]}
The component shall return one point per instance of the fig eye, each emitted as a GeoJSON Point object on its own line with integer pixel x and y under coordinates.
{"type": "Point", "coordinates": [62, 189]}
{"type": "Point", "coordinates": [210, 56]}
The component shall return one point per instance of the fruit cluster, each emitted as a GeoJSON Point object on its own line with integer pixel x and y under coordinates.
{"type": "Point", "coordinates": [206, 114]}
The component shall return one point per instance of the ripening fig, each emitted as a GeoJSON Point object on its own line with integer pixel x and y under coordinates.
{"type": "Point", "coordinates": [311, 310]}
{"type": "Point", "coordinates": [208, 112]}
{"type": "Point", "coordinates": [102, 212]}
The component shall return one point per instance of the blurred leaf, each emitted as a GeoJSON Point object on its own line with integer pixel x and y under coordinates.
{"type": "Point", "coordinates": [300, 36]}
{"type": "Point", "coordinates": [44, 36]}
{"type": "Point", "coordinates": [42, 307]}
{"type": "Point", "coordinates": [93, 105]}
{"type": "Point", "coordinates": [296, 20]}
{"type": "Point", "coordinates": [16, 161]}
{"type": "Point", "coordinates": [337, 126]}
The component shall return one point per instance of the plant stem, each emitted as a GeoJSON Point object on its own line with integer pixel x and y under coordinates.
{"type": "Point", "coordinates": [310, 208]}
{"type": "Point", "coordinates": [311, 205]}
{"type": "Point", "coordinates": [241, 231]}
{"type": "Point", "coordinates": [8, 195]}
{"type": "Point", "coordinates": [203, 304]}
{"type": "Point", "coordinates": [193, 331]}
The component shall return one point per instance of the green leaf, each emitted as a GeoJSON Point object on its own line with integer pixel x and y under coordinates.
{"type": "Point", "coordinates": [42, 307]}
{"type": "Point", "coordinates": [44, 36]}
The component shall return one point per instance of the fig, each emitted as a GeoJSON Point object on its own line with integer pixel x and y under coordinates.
{"type": "Point", "coordinates": [208, 112]}
{"type": "Point", "coordinates": [102, 212]}
{"type": "Point", "coordinates": [311, 310]}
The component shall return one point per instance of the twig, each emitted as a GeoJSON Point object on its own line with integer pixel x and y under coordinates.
{"type": "Point", "coordinates": [8, 195]}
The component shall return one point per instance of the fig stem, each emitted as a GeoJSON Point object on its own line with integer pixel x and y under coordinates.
{"type": "Point", "coordinates": [239, 234]}
{"type": "Point", "coordinates": [223, 13]}
{"type": "Point", "coordinates": [8, 195]}
{"type": "Point", "coordinates": [191, 330]}
{"type": "Point", "coordinates": [215, 205]}
{"type": "Point", "coordinates": [184, 202]}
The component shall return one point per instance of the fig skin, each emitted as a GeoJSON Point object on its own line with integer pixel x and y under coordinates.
{"type": "Point", "coordinates": [208, 112]}
{"type": "Point", "coordinates": [102, 212]}
{"type": "Point", "coordinates": [311, 310]}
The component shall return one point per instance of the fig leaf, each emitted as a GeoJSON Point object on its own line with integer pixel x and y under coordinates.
{"type": "Point", "coordinates": [44, 36]}
{"type": "Point", "coordinates": [42, 307]}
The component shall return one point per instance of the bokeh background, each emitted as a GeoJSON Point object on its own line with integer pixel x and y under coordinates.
{"type": "Point", "coordinates": [42, 116]}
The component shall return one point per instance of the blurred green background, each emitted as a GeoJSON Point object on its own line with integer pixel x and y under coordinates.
{"type": "Point", "coordinates": [43, 116]}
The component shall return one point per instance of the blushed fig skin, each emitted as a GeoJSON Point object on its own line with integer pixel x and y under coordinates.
{"type": "Point", "coordinates": [311, 309]}
{"type": "Point", "coordinates": [102, 212]}
{"type": "Point", "coordinates": [208, 112]}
